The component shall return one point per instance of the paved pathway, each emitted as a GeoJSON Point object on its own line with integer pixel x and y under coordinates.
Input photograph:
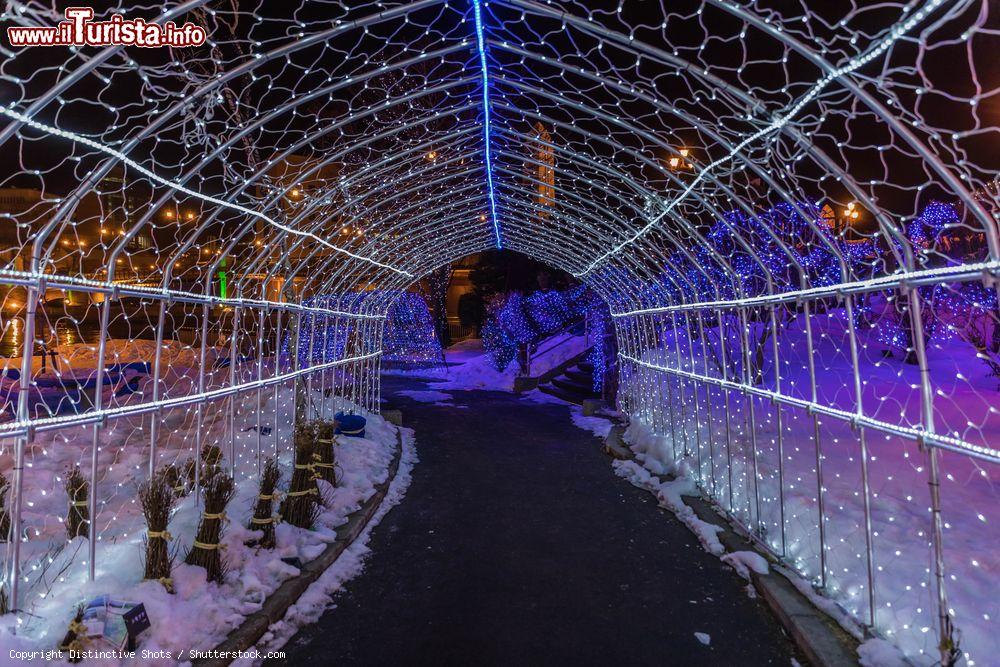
{"type": "Point", "coordinates": [517, 545]}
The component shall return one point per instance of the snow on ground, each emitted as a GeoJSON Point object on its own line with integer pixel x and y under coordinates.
{"type": "Point", "coordinates": [471, 367]}
{"type": "Point", "coordinates": [198, 614]}
{"type": "Point", "coordinates": [319, 596]}
{"type": "Point", "coordinates": [599, 426]}
{"type": "Point", "coordinates": [669, 496]}
{"type": "Point", "coordinates": [435, 397]}
{"type": "Point", "coordinates": [880, 653]}
{"type": "Point", "coordinates": [965, 405]}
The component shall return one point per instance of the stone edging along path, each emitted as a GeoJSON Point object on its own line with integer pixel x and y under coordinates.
{"type": "Point", "coordinates": [277, 603]}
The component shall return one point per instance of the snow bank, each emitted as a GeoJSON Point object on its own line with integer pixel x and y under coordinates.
{"type": "Point", "coordinates": [599, 426]}
{"type": "Point", "coordinates": [880, 653]}
{"type": "Point", "coordinates": [199, 614]}
{"type": "Point", "coordinates": [471, 367]}
{"type": "Point", "coordinates": [319, 596]}
{"type": "Point", "coordinates": [720, 453]}
{"type": "Point", "coordinates": [669, 496]}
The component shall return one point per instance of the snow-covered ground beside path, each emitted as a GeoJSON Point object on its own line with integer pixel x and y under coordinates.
{"type": "Point", "coordinates": [199, 614]}
{"type": "Point", "coordinates": [903, 565]}
{"type": "Point", "coordinates": [348, 565]}
{"type": "Point", "coordinates": [470, 366]}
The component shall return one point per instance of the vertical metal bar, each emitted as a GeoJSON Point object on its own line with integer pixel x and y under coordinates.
{"type": "Point", "coordinates": [694, 387]}
{"type": "Point", "coordinates": [277, 385]}
{"type": "Point", "coordinates": [945, 630]}
{"type": "Point", "coordinates": [752, 427]}
{"type": "Point", "coordinates": [680, 383]}
{"type": "Point", "coordinates": [820, 487]}
{"type": "Point", "coordinates": [729, 418]}
{"type": "Point", "coordinates": [99, 375]}
{"type": "Point", "coordinates": [260, 390]}
{"type": "Point", "coordinates": [154, 417]}
{"type": "Point", "coordinates": [378, 376]}
{"type": "Point", "coordinates": [235, 398]}
{"type": "Point", "coordinates": [781, 435]}
{"type": "Point", "coordinates": [670, 404]}
{"type": "Point", "coordinates": [865, 483]}
{"type": "Point", "coordinates": [322, 376]}
{"type": "Point", "coordinates": [309, 365]}
{"type": "Point", "coordinates": [708, 402]}
{"type": "Point", "coordinates": [200, 407]}
{"type": "Point", "coordinates": [24, 385]}
{"type": "Point", "coordinates": [334, 391]}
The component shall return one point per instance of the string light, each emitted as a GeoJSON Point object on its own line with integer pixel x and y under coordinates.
{"type": "Point", "coordinates": [804, 314]}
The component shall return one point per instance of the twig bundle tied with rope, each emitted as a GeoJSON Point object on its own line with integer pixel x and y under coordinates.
{"type": "Point", "coordinates": [176, 478]}
{"type": "Point", "coordinates": [157, 499]}
{"type": "Point", "coordinates": [218, 491]}
{"type": "Point", "coordinates": [4, 514]}
{"type": "Point", "coordinates": [263, 519]}
{"type": "Point", "coordinates": [71, 641]}
{"type": "Point", "coordinates": [299, 507]}
{"type": "Point", "coordinates": [187, 472]}
{"type": "Point", "coordinates": [326, 464]}
{"type": "Point", "coordinates": [211, 460]}
{"type": "Point", "coordinates": [78, 518]}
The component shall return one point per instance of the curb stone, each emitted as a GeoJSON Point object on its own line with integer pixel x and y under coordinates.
{"type": "Point", "coordinates": [253, 627]}
{"type": "Point", "coordinates": [820, 638]}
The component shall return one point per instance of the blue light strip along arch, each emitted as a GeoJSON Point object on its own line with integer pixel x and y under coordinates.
{"type": "Point", "coordinates": [488, 156]}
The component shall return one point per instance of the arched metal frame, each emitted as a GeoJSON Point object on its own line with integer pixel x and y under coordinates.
{"type": "Point", "coordinates": [410, 129]}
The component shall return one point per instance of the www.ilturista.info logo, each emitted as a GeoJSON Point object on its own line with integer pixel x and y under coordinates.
{"type": "Point", "coordinates": [80, 30]}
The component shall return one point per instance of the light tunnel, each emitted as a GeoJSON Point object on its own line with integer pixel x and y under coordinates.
{"type": "Point", "coordinates": [791, 213]}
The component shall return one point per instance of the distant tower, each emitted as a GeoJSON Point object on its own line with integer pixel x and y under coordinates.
{"type": "Point", "coordinates": [542, 170]}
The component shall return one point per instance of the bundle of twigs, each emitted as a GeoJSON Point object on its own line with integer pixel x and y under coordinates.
{"type": "Point", "coordinates": [157, 499]}
{"type": "Point", "coordinates": [262, 518]}
{"type": "Point", "coordinates": [4, 514]}
{"type": "Point", "coordinates": [219, 490]}
{"type": "Point", "coordinates": [176, 479]}
{"type": "Point", "coordinates": [71, 641]}
{"type": "Point", "coordinates": [211, 459]}
{"type": "Point", "coordinates": [299, 507]}
{"type": "Point", "coordinates": [79, 513]}
{"type": "Point", "coordinates": [326, 464]}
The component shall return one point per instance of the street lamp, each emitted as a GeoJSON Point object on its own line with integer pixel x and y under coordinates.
{"type": "Point", "coordinates": [680, 161]}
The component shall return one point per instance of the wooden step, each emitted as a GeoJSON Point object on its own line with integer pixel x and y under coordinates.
{"type": "Point", "coordinates": [562, 394]}
{"type": "Point", "coordinates": [580, 376]}
{"type": "Point", "coordinates": [585, 389]}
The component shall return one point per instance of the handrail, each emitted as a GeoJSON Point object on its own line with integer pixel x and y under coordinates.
{"type": "Point", "coordinates": [529, 351]}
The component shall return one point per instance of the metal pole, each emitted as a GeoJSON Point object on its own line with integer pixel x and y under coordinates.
{"type": "Point", "coordinates": [23, 414]}
{"type": "Point", "coordinates": [946, 643]}
{"type": "Point", "coordinates": [200, 408]}
{"type": "Point", "coordinates": [234, 401]}
{"type": "Point", "coordinates": [260, 390]}
{"type": "Point", "coordinates": [865, 483]}
{"type": "Point", "coordinates": [781, 435]}
{"type": "Point", "coordinates": [99, 373]}
{"type": "Point", "coordinates": [154, 418]}
{"type": "Point", "coordinates": [820, 487]}
{"type": "Point", "coordinates": [277, 386]}
{"type": "Point", "coordinates": [744, 327]}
